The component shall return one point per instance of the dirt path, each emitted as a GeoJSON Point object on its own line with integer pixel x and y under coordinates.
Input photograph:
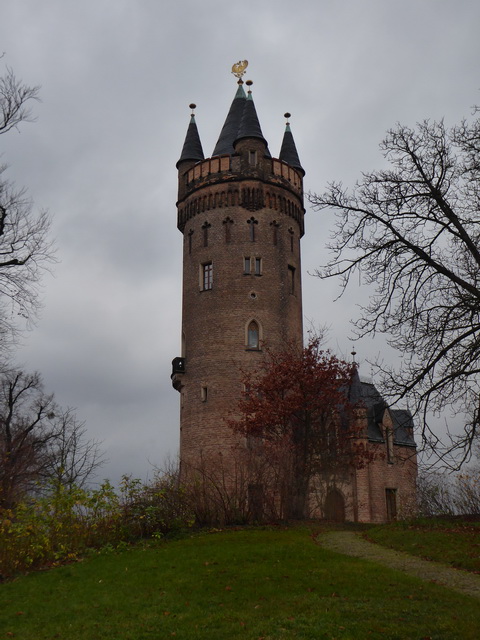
{"type": "Point", "coordinates": [351, 544]}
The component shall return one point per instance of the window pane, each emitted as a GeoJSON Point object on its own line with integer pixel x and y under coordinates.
{"type": "Point", "coordinates": [258, 266]}
{"type": "Point", "coordinates": [253, 335]}
{"type": "Point", "coordinates": [207, 276]}
{"type": "Point", "coordinates": [247, 265]}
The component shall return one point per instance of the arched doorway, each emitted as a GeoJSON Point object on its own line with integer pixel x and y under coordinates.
{"type": "Point", "coordinates": [334, 506]}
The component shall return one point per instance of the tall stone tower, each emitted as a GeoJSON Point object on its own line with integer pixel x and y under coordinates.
{"type": "Point", "coordinates": [241, 214]}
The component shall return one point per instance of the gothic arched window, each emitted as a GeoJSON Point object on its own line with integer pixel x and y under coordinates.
{"type": "Point", "coordinates": [253, 335]}
{"type": "Point", "coordinates": [252, 222]}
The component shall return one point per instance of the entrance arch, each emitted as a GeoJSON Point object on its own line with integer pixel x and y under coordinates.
{"type": "Point", "coordinates": [334, 506]}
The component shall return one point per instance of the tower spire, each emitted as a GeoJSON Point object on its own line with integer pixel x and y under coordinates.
{"type": "Point", "coordinates": [192, 147]}
{"type": "Point", "coordinates": [230, 128]}
{"type": "Point", "coordinates": [249, 124]}
{"type": "Point", "coordinates": [288, 151]}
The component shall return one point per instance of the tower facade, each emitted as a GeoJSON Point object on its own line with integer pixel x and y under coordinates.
{"type": "Point", "coordinates": [241, 214]}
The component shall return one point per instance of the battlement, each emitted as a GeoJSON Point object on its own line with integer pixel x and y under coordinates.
{"type": "Point", "coordinates": [232, 168]}
{"type": "Point", "coordinates": [212, 167]}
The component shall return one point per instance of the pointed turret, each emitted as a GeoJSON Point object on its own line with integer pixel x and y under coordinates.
{"type": "Point", "coordinates": [288, 152]}
{"type": "Point", "coordinates": [355, 393]}
{"type": "Point", "coordinates": [231, 126]}
{"type": "Point", "coordinates": [249, 124]}
{"type": "Point", "coordinates": [192, 147]}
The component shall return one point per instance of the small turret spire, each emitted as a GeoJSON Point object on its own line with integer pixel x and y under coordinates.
{"type": "Point", "coordinates": [288, 151]}
{"type": "Point", "coordinates": [192, 147]}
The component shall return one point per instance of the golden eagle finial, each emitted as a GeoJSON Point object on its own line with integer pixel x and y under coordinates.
{"type": "Point", "coordinates": [239, 67]}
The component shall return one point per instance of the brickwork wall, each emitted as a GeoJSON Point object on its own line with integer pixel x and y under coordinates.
{"type": "Point", "coordinates": [216, 214]}
{"type": "Point", "coordinates": [372, 482]}
{"type": "Point", "coordinates": [364, 490]}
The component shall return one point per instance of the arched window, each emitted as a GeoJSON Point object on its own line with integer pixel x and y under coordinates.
{"type": "Point", "coordinates": [252, 222]}
{"type": "Point", "coordinates": [253, 335]}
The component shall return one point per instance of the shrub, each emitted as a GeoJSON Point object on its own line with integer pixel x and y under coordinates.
{"type": "Point", "coordinates": [449, 494]}
{"type": "Point", "coordinates": [66, 521]}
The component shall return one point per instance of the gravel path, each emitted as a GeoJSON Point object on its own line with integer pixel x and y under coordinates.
{"type": "Point", "coordinates": [351, 544]}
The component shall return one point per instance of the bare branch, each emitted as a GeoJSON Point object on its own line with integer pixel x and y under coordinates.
{"type": "Point", "coordinates": [14, 101]}
{"type": "Point", "coordinates": [413, 233]}
{"type": "Point", "coordinates": [39, 441]}
{"type": "Point", "coordinates": [25, 247]}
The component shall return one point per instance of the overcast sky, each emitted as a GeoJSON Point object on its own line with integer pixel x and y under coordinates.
{"type": "Point", "coordinates": [116, 80]}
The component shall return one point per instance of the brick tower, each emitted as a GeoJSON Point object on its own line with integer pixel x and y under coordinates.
{"type": "Point", "coordinates": [241, 214]}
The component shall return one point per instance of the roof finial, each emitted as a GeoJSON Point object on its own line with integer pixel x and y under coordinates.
{"type": "Point", "coordinates": [249, 84]}
{"type": "Point", "coordinates": [287, 116]}
{"type": "Point", "coordinates": [192, 106]}
{"type": "Point", "coordinates": [238, 70]}
{"type": "Point", "coordinates": [354, 353]}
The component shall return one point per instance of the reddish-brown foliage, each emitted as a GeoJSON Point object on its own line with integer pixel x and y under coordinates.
{"type": "Point", "coordinates": [297, 407]}
{"type": "Point", "coordinates": [301, 397]}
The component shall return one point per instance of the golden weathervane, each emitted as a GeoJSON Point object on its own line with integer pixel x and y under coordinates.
{"type": "Point", "coordinates": [239, 67]}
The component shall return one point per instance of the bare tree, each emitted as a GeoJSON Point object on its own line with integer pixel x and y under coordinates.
{"type": "Point", "coordinates": [71, 458]}
{"type": "Point", "coordinates": [25, 247]}
{"type": "Point", "coordinates": [38, 440]}
{"type": "Point", "coordinates": [412, 232]}
{"type": "Point", "coordinates": [15, 98]}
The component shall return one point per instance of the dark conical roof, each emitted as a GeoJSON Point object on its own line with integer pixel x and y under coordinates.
{"type": "Point", "coordinates": [230, 128]}
{"type": "Point", "coordinates": [249, 124]}
{"type": "Point", "coordinates": [192, 147]}
{"type": "Point", "coordinates": [288, 152]}
{"type": "Point", "coordinates": [355, 393]}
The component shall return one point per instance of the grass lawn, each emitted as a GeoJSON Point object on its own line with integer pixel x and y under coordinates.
{"type": "Point", "coordinates": [252, 584]}
{"type": "Point", "coordinates": [452, 542]}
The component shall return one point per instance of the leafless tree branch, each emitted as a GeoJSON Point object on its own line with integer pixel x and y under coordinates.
{"type": "Point", "coordinates": [39, 441]}
{"type": "Point", "coordinates": [413, 233]}
{"type": "Point", "coordinates": [25, 247]}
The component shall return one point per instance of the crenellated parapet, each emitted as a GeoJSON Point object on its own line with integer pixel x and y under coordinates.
{"type": "Point", "coordinates": [215, 183]}
{"type": "Point", "coordinates": [229, 168]}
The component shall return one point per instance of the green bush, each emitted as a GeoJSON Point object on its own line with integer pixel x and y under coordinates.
{"type": "Point", "coordinates": [62, 524]}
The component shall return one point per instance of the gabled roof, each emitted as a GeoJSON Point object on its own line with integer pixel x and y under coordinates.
{"type": "Point", "coordinates": [192, 147]}
{"type": "Point", "coordinates": [402, 420]}
{"type": "Point", "coordinates": [288, 151]}
{"type": "Point", "coordinates": [402, 426]}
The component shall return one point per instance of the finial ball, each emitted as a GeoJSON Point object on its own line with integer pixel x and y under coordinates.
{"type": "Point", "coordinates": [192, 106]}
{"type": "Point", "coordinates": [287, 115]}
{"type": "Point", "coordinates": [249, 83]}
